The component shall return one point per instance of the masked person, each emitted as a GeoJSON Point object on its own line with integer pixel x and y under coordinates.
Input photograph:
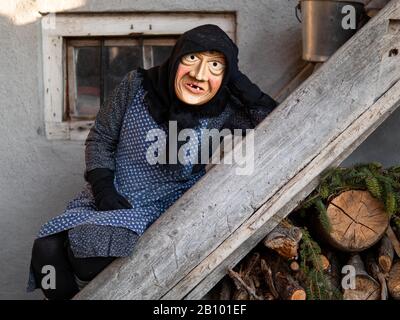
{"type": "Point", "coordinates": [199, 86]}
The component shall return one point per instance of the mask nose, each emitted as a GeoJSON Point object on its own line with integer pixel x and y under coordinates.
{"type": "Point", "coordinates": [201, 71]}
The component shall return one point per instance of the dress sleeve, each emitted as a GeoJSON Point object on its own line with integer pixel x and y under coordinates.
{"type": "Point", "coordinates": [103, 137]}
{"type": "Point", "coordinates": [249, 116]}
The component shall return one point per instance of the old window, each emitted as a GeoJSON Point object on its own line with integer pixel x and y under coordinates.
{"type": "Point", "coordinates": [96, 66]}
{"type": "Point", "coordinates": [85, 55]}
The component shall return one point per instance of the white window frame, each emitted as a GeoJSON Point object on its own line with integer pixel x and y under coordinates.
{"type": "Point", "coordinates": [55, 27]}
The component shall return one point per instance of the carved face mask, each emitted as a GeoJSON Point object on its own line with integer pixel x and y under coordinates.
{"type": "Point", "coordinates": [199, 76]}
{"type": "Point", "coordinates": [192, 84]}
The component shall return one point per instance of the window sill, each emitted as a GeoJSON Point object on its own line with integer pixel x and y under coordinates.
{"type": "Point", "coordinates": [68, 130]}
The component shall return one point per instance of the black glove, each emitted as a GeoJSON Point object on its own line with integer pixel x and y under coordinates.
{"type": "Point", "coordinates": [105, 195]}
{"type": "Point", "coordinates": [241, 86]}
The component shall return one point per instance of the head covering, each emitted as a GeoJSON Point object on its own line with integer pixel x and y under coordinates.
{"type": "Point", "coordinates": [159, 81]}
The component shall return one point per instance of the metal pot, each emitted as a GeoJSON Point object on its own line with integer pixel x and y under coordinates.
{"type": "Point", "coordinates": [322, 28]}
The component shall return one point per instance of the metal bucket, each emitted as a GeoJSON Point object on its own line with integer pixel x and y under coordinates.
{"type": "Point", "coordinates": [322, 28]}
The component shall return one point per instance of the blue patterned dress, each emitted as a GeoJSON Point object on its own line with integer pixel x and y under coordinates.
{"type": "Point", "coordinates": [150, 188]}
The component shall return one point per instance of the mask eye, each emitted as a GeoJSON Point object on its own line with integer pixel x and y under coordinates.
{"type": "Point", "coordinates": [216, 66]}
{"type": "Point", "coordinates": [190, 58]}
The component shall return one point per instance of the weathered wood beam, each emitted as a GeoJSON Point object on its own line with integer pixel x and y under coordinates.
{"type": "Point", "coordinates": [267, 217]}
{"type": "Point", "coordinates": [310, 130]}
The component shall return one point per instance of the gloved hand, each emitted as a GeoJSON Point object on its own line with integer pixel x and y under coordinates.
{"type": "Point", "coordinates": [105, 195]}
{"type": "Point", "coordinates": [241, 86]}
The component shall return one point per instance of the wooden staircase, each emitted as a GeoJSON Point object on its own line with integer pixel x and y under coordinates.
{"type": "Point", "coordinates": [217, 222]}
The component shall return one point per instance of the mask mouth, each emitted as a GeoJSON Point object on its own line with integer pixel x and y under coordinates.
{"type": "Point", "coordinates": [194, 86]}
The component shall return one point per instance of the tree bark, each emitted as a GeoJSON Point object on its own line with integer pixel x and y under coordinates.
{"type": "Point", "coordinates": [374, 270]}
{"type": "Point", "coordinates": [393, 239]}
{"type": "Point", "coordinates": [268, 277]}
{"type": "Point", "coordinates": [288, 288]}
{"type": "Point", "coordinates": [333, 271]}
{"type": "Point", "coordinates": [385, 254]}
{"type": "Point", "coordinates": [242, 285]}
{"type": "Point", "coordinates": [284, 239]}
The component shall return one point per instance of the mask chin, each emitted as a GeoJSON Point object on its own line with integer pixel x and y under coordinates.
{"type": "Point", "coordinates": [192, 94]}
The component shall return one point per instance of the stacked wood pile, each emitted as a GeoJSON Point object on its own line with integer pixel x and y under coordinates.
{"type": "Point", "coordinates": [338, 245]}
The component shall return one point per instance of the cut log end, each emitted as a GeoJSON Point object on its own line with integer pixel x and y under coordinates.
{"type": "Point", "coordinates": [299, 295]}
{"type": "Point", "coordinates": [325, 264]}
{"type": "Point", "coordinates": [294, 266]}
{"type": "Point", "coordinates": [385, 254]}
{"type": "Point", "coordinates": [365, 289]}
{"type": "Point", "coordinates": [358, 221]}
{"type": "Point", "coordinates": [288, 287]}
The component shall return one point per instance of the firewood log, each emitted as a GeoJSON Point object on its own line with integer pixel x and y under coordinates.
{"type": "Point", "coordinates": [394, 240]}
{"type": "Point", "coordinates": [241, 284]}
{"type": "Point", "coordinates": [325, 264]}
{"type": "Point", "coordinates": [284, 239]}
{"type": "Point", "coordinates": [374, 270]}
{"type": "Point", "coordinates": [288, 288]}
{"type": "Point", "coordinates": [256, 281]}
{"type": "Point", "coordinates": [268, 278]}
{"type": "Point", "coordinates": [385, 254]}
{"type": "Point", "coordinates": [366, 287]}
{"type": "Point", "coordinates": [276, 273]}
{"type": "Point", "coordinates": [357, 221]}
{"type": "Point", "coordinates": [394, 281]}
{"type": "Point", "coordinates": [250, 265]}
{"type": "Point", "coordinates": [333, 271]}
{"type": "Point", "coordinates": [294, 266]}
{"type": "Point", "coordinates": [252, 285]}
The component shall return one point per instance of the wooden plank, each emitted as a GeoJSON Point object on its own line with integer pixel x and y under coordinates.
{"type": "Point", "coordinates": [389, 74]}
{"type": "Point", "coordinates": [264, 220]}
{"type": "Point", "coordinates": [306, 123]}
{"type": "Point", "coordinates": [294, 83]}
{"type": "Point", "coordinates": [150, 23]}
{"type": "Point", "coordinates": [53, 78]}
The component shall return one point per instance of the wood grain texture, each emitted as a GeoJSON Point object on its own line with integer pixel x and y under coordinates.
{"type": "Point", "coordinates": [269, 215]}
{"type": "Point", "coordinates": [358, 221]}
{"type": "Point", "coordinates": [284, 239]}
{"type": "Point", "coordinates": [385, 254]}
{"type": "Point", "coordinates": [366, 287]}
{"type": "Point", "coordinates": [224, 214]}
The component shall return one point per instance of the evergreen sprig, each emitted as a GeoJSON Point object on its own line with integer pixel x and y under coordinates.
{"type": "Point", "coordinates": [383, 184]}
{"type": "Point", "coordinates": [317, 283]}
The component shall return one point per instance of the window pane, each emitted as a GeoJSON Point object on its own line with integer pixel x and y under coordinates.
{"type": "Point", "coordinates": [160, 54]}
{"type": "Point", "coordinates": [118, 62]}
{"type": "Point", "coordinates": [87, 90]}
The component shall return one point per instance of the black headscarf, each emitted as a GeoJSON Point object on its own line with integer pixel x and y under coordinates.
{"type": "Point", "coordinates": [159, 81]}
